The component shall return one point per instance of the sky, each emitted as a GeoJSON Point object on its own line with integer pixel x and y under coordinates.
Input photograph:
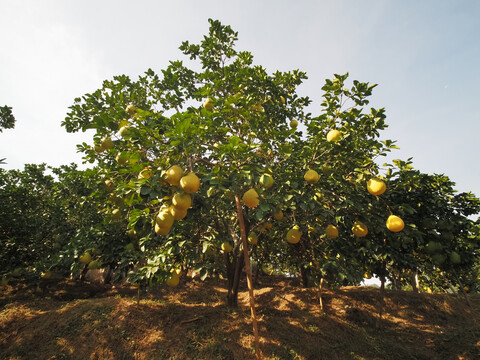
{"type": "Point", "coordinates": [423, 54]}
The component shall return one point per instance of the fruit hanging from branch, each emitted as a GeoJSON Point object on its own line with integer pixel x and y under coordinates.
{"type": "Point", "coordinates": [395, 223]}
{"type": "Point", "coordinates": [376, 186]}
{"type": "Point", "coordinates": [250, 198]}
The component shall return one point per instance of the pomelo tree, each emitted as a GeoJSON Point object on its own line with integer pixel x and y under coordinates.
{"type": "Point", "coordinates": [51, 217]}
{"type": "Point", "coordinates": [227, 124]}
{"type": "Point", "coordinates": [440, 244]}
{"type": "Point", "coordinates": [197, 158]}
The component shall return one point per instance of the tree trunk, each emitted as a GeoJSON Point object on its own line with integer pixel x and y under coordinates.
{"type": "Point", "coordinates": [304, 273]}
{"type": "Point", "coordinates": [83, 273]}
{"type": "Point", "coordinates": [414, 281]}
{"type": "Point", "coordinates": [381, 293]}
{"type": "Point", "coordinates": [234, 273]}
{"type": "Point", "coordinates": [107, 275]}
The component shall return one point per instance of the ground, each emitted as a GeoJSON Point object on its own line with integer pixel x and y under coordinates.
{"type": "Point", "coordinates": [69, 321]}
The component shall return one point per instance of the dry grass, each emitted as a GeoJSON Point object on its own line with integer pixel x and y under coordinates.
{"type": "Point", "coordinates": [193, 322]}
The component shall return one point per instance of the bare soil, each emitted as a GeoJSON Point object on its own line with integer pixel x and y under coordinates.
{"type": "Point", "coordinates": [191, 321]}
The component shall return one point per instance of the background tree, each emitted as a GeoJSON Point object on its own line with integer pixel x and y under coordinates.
{"type": "Point", "coordinates": [7, 121]}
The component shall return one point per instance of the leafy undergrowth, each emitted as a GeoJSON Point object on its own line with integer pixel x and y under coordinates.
{"type": "Point", "coordinates": [192, 322]}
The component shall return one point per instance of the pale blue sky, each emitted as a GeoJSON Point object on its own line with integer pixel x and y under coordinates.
{"type": "Point", "coordinates": [425, 56]}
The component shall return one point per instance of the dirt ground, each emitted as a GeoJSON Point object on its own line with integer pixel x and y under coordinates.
{"type": "Point", "coordinates": [192, 321]}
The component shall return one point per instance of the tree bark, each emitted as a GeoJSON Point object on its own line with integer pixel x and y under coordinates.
{"type": "Point", "coordinates": [234, 272]}
{"type": "Point", "coordinates": [381, 293]}
{"type": "Point", "coordinates": [414, 281]}
{"type": "Point", "coordinates": [305, 278]}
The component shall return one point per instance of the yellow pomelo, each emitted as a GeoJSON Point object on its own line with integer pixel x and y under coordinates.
{"type": "Point", "coordinates": [253, 238]}
{"type": "Point", "coordinates": [294, 234]}
{"type": "Point", "coordinates": [182, 201]}
{"type": "Point", "coordinates": [162, 230]}
{"type": "Point", "coordinates": [311, 176]}
{"type": "Point", "coordinates": [395, 224]}
{"type": "Point", "coordinates": [124, 123]}
{"type": "Point", "coordinates": [85, 258]}
{"type": "Point", "coordinates": [190, 183]}
{"type": "Point", "coordinates": [178, 214]}
{"type": "Point", "coordinates": [208, 104]}
{"type": "Point", "coordinates": [359, 229]}
{"type": "Point", "coordinates": [227, 247]}
{"type": "Point", "coordinates": [250, 198]}
{"type": "Point", "coordinates": [123, 132]}
{"type": "Point", "coordinates": [173, 280]}
{"type": "Point", "coordinates": [173, 175]}
{"type": "Point", "coordinates": [266, 180]}
{"type": "Point", "coordinates": [164, 218]}
{"type": "Point", "coordinates": [98, 148]}
{"type": "Point", "coordinates": [293, 124]}
{"type": "Point", "coordinates": [334, 135]}
{"type": "Point", "coordinates": [376, 186]}
{"type": "Point", "coordinates": [130, 109]}
{"type": "Point", "coordinates": [331, 231]}
{"type": "Point", "coordinates": [107, 143]}
{"type": "Point", "coordinates": [94, 265]}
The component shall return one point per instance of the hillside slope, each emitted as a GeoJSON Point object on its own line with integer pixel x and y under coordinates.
{"type": "Point", "coordinates": [193, 322]}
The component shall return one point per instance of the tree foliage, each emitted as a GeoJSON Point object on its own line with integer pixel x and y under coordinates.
{"type": "Point", "coordinates": [242, 130]}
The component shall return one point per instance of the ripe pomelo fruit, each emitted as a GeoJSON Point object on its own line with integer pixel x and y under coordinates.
{"type": "Point", "coordinates": [395, 224]}
{"type": "Point", "coordinates": [253, 238]}
{"type": "Point", "coordinates": [227, 247]}
{"type": "Point", "coordinates": [334, 135]}
{"type": "Point", "coordinates": [311, 176]}
{"type": "Point", "coordinates": [130, 109]}
{"type": "Point", "coordinates": [266, 180]}
{"type": "Point", "coordinates": [294, 235]}
{"type": "Point", "coordinates": [173, 279]}
{"type": "Point", "coordinates": [331, 231]}
{"type": "Point", "coordinates": [250, 198]}
{"type": "Point", "coordinates": [161, 230]}
{"type": "Point", "coordinates": [85, 258]}
{"type": "Point", "coordinates": [182, 201]}
{"type": "Point", "coordinates": [359, 229]}
{"type": "Point", "coordinates": [107, 143]}
{"type": "Point", "coordinates": [208, 104]}
{"type": "Point", "coordinates": [164, 218]}
{"type": "Point", "coordinates": [178, 214]}
{"type": "Point", "coordinates": [190, 183]}
{"type": "Point", "coordinates": [376, 186]}
{"type": "Point", "coordinates": [173, 175]}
